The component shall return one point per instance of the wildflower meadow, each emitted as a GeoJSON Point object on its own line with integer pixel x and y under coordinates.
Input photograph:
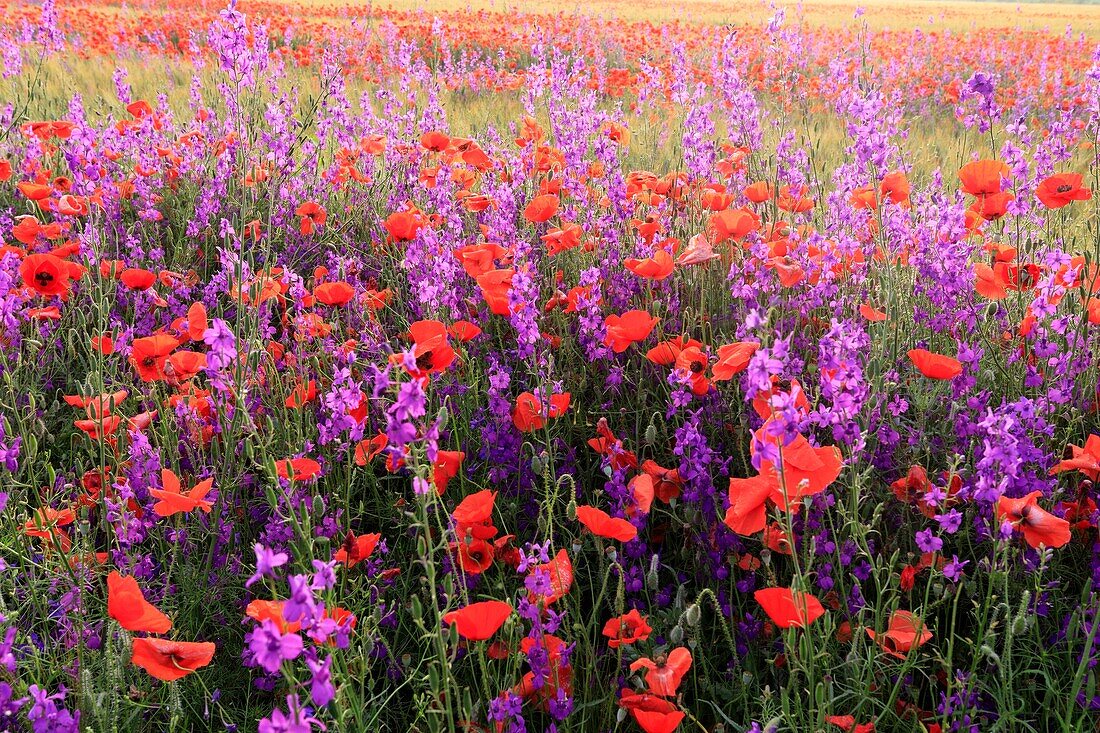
{"type": "Point", "coordinates": [721, 367]}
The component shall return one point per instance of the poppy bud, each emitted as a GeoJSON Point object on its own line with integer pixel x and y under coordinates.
{"type": "Point", "coordinates": [692, 615]}
{"type": "Point", "coordinates": [442, 417]}
{"type": "Point", "coordinates": [651, 434]}
{"type": "Point", "coordinates": [415, 609]}
{"type": "Point", "coordinates": [676, 636]}
{"type": "Point", "coordinates": [991, 311]}
{"type": "Point", "coordinates": [620, 716]}
{"type": "Point", "coordinates": [537, 466]}
{"type": "Point", "coordinates": [318, 505]}
{"type": "Point", "coordinates": [651, 578]}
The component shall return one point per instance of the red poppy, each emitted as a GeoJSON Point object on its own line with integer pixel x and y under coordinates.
{"type": "Point", "coordinates": [848, 724]}
{"type": "Point", "coordinates": [170, 660]}
{"type": "Point", "coordinates": [196, 321]}
{"type": "Point", "coordinates": [541, 209]}
{"type": "Point", "coordinates": [652, 713]}
{"type": "Point", "coordinates": [45, 274]}
{"type": "Point", "coordinates": [265, 610]}
{"type": "Point", "coordinates": [464, 331]}
{"type": "Point", "coordinates": [495, 286]}
{"type": "Point", "coordinates": [336, 294]}
{"type": "Point", "coordinates": [601, 524]}
{"type": "Point", "coordinates": [474, 515]}
{"type": "Point", "coordinates": [174, 501]}
{"type": "Point", "coordinates": [1084, 459]}
{"type": "Point", "coordinates": [560, 571]}
{"type": "Point", "coordinates": [693, 362]}
{"type": "Point", "coordinates": [663, 675]}
{"type": "Point", "coordinates": [432, 349]}
{"type": "Point", "coordinates": [446, 467]}
{"type": "Point", "coordinates": [870, 313]}
{"type": "Point", "coordinates": [403, 225]}
{"type": "Point", "coordinates": [983, 177]}
{"type": "Point", "coordinates": [1039, 526]}
{"type": "Point", "coordinates": [1061, 190]}
{"type": "Point", "coordinates": [137, 279]}
{"type": "Point", "coordinates": [297, 469]}
{"type": "Point", "coordinates": [529, 414]}
{"type": "Point", "coordinates": [787, 607]}
{"type": "Point", "coordinates": [474, 555]}
{"type": "Point", "coordinates": [733, 359]}
{"type": "Point", "coordinates": [731, 224]}
{"type": "Point", "coordinates": [935, 366]}
{"type": "Point", "coordinates": [657, 266]}
{"type": "Point", "coordinates": [479, 621]}
{"type": "Point", "coordinates": [312, 216]}
{"type": "Point", "coordinates": [626, 629]}
{"type": "Point", "coordinates": [127, 605]}
{"type": "Point", "coordinates": [665, 353]}
{"type": "Point", "coordinates": [184, 365]}
{"type": "Point", "coordinates": [301, 395]}
{"type": "Point", "coordinates": [628, 328]}
{"type": "Point", "coordinates": [435, 141]}
{"type": "Point", "coordinates": [356, 549]}
{"type": "Point", "coordinates": [149, 355]}
{"type": "Point", "coordinates": [666, 481]}
{"type": "Point", "coordinates": [905, 633]}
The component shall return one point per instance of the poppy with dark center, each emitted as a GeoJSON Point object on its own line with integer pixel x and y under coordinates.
{"type": "Point", "coordinates": [475, 555]}
{"type": "Point", "coordinates": [45, 274]}
{"type": "Point", "coordinates": [1038, 526]}
{"type": "Point", "coordinates": [1061, 190]}
{"type": "Point", "coordinates": [148, 355]}
{"type": "Point", "coordinates": [693, 362]}
{"type": "Point", "coordinates": [297, 469]}
{"type": "Point", "coordinates": [356, 549]}
{"type": "Point", "coordinates": [1084, 459]}
{"type": "Point", "coordinates": [312, 215]}
{"type": "Point", "coordinates": [664, 674]}
{"type": "Point", "coordinates": [629, 628]}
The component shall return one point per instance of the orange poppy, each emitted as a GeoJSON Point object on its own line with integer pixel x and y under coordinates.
{"type": "Point", "coordinates": [541, 208]}
{"type": "Point", "coordinates": [297, 469]}
{"type": "Point", "coordinates": [137, 279]}
{"type": "Point", "coordinates": [982, 177]}
{"type": "Point", "coordinates": [312, 215]}
{"type": "Point", "coordinates": [733, 359]}
{"type": "Point", "coordinates": [1085, 459]}
{"type": "Point", "coordinates": [446, 466]}
{"type": "Point", "coordinates": [335, 294]}
{"type": "Point", "coordinates": [172, 499]}
{"type": "Point", "coordinates": [170, 660]}
{"type": "Point", "coordinates": [657, 266]}
{"type": "Point", "coordinates": [529, 413]}
{"type": "Point", "coordinates": [652, 713]}
{"type": "Point", "coordinates": [629, 628]}
{"type": "Point", "coordinates": [127, 605]}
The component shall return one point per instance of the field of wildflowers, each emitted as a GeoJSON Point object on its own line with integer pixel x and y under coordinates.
{"type": "Point", "coordinates": [496, 371]}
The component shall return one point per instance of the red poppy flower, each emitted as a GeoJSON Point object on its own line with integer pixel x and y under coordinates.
{"type": "Point", "coordinates": [652, 713]}
{"type": "Point", "coordinates": [474, 515]}
{"type": "Point", "coordinates": [432, 350]}
{"type": "Point", "coordinates": [529, 415]}
{"type": "Point", "coordinates": [335, 294]}
{"type": "Point", "coordinates": [196, 321]}
{"type": "Point", "coordinates": [495, 286]}
{"type": "Point", "coordinates": [435, 141]}
{"type": "Point", "coordinates": [45, 274]}
{"type": "Point", "coordinates": [733, 359]}
{"type": "Point", "coordinates": [1039, 526]}
{"type": "Point", "coordinates": [657, 266]}
{"type": "Point", "coordinates": [560, 571]}
{"type": "Point", "coordinates": [666, 481]}
{"type": "Point", "coordinates": [871, 314]}
{"type": "Point", "coordinates": [403, 225]}
{"type": "Point", "coordinates": [1061, 190]}
{"type": "Point", "coordinates": [693, 362]}
{"type": "Point", "coordinates": [628, 328]}
{"type": "Point", "coordinates": [665, 353]}
{"type": "Point", "coordinates": [464, 331]}
{"type": "Point", "coordinates": [170, 660]}
{"type": "Point", "coordinates": [541, 209]}
{"type": "Point", "coordinates": [731, 224]}
{"type": "Point", "coordinates": [1084, 459]}
{"type": "Point", "coordinates": [935, 366]}
{"type": "Point", "coordinates": [474, 555]}
{"type": "Point", "coordinates": [905, 632]}
{"type": "Point", "coordinates": [479, 621]}
{"type": "Point", "coordinates": [301, 395]}
{"type": "Point", "coordinates": [312, 216]}
{"type": "Point", "coordinates": [137, 279]}
{"type": "Point", "coordinates": [265, 610]}
{"type": "Point", "coordinates": [149, 355]}
{"type": "Point", "coordinates": [848, 724]}
{"type": "Point", "coordinates": [297, 469]}
{"type": "Point", "coordinates": [174, 501]}
{"type": "Point", "coordinates": [446, 467]}
{"type": "Point", "coordinates": [983, 177]}
{"type": "Point", "coordinates": [127, 605]}
{"type": "Point", "coordinates": [663, 675]}
{"type": "Point", "coordinates": [787, 608]}
{"type": "Point", "coordinates": [356, 549]}
{"type": "Point", "coordinates": [626, 629]}
{"type": "Point", "coordinates": [601, 524]}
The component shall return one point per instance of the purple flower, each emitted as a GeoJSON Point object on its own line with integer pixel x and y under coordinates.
{"type": "Point", "coordinates": [271, 648]}
{"type": "Point", "coordinates": [266, 562]}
